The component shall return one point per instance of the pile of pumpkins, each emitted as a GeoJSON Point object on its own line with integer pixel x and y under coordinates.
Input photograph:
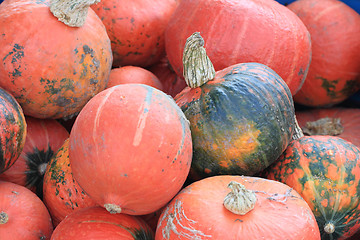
{"type": "Point", "coordinates": [179, 119]}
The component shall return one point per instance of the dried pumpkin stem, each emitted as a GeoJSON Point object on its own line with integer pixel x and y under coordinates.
{"type": "Point", "coordinates": [198, 69]}
{"type": "Point", "coordinates": [4, 218]}
{"type": "Point", "coordinates": [324, 126]}
{"type": "Point", "coordinates": [240, 200]}
{"type": "Point", "coordinates": [112, 208]}
{"type": "Point", "coordinates": [329, 228]}
{"type": "Point", "coordinates": [298, 133]}
{"type": "Point", "coordinates": [71, 12]}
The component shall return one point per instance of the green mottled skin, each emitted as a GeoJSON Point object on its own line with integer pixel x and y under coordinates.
{"type": "Point", "coordinates": [318, 168]}
{"type": "Point", "coordinates": [245, 98]}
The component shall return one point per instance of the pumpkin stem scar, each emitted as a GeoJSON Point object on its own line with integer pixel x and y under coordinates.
{"type": "Point", "coordinates": [3, 218]}
{"type": "Point", "coordinates": [112, 208]}
{"type": "Point", "coordinates": [71, 12]}
{"type": "Point", "coordinates": [178, 216]}
{"type": "Point", "coordinates": [240, 200]}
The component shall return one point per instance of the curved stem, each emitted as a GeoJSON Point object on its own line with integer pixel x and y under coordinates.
{"type": "Point", "coordinates": [198, 69]}
{"type": "Point", "coordinates": [298, 133]}
{"type": "Point", "coordinates": [71, 12]}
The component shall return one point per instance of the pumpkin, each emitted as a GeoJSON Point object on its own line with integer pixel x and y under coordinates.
{"type": "Point", "coordinates": [44, 137]}
{"type": "Point", "coordinates": [136, 29]}
{"type": "Point", "coordinates": [172, 83]}
{"type": "Point", "coordinates": [52, 69]}
{"type": "Point", "coordinates": [242, 31]}
{"type": "Point", "coordinates": [97, 223]}
{"type": "Point", "coordinates": [22, 214]}
{"type": "Point", "coordinates": [335, 35]}
{"type": "Point", "coordinates": [62, 194]}
{"type": "Point", "coordinates": [336, 121]}
{"type": "Point", "coordinates": [131, 149]}
{"type": "Point", "coordinates": [253, 208]}
{"type": "Point", "coordinates": [13, 130]}
{"type": "Point", "coordinates": [241, 118]}
{"type": "Point", "coordinates": [325, 171]}
{"type": "Point", "coordinates": [133, 74]}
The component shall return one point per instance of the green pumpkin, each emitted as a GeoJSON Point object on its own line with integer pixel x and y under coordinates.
{"type": "Point", "coordinates": [241, 118]}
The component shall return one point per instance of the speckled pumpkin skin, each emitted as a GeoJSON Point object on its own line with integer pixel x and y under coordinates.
{"type": "Point", "coordinates": [325, 170]}
{"type": "Point", "coordinates": [51, 69]}
{"type": "Point", "coordinates": [241, 121]}
{"type": "Point", "coordinates": [12, 130]}
{"type": "Point", "coordinates": [62, 194]}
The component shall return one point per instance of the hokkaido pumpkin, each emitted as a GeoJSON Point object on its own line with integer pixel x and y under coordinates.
{"type": "Point", "coordinates": [22, 214]}
{"type": "Point", "coordinates": [130, 149]}
{"type": "Point", "coordinates": [336, 121]}
{"type": "Point", "coordinates": [241, 31]}
{"type": "Point", "coordinates": [62, 194]}
{"type": "Point", "coordinates": [241, 118]}
{"type": "Point", "coordinates": [96, 223]}
{"type": "Point", "coordinates": [325, 171]}
{"type": "Point", "coordinates": [334, 73]}
{"type": "Point", "coordinates": [12, 130]}
{"type": "Point", "coordinates": [136, 29]}
{"type": "Point", "coordinates": [133, 74]}
{"type": "Point", "coordinates": [52, 69]}
{"type": "Point", "coordinates": [253, 208]}
{"type": "Point", "coordinates": [44, 137]}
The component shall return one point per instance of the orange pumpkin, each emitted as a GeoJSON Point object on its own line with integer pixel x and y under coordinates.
{"type": "Point", "coordinates": [96, 223]}
{"type": "Point", "coordinates": [62, 194]}
{"type": "Point", "coordinates": [44, 137]}
{"type": "Point", "coordinates": [52, 69]}
{"type": "Point", "coordinates": [241, 31]}
{"type": "Point", "coordinates": [131, 149]}
{"type": "Point", "coordinates": [254, 208]}
{"type": "Point", "coordinates": [334, 72]}
{"type": "Point", "coordinates": [136, 29]}
{"type": "Point", "coordinates": [133, 74]}
{"type": "Point", "coordinates": [172, 83]}
{"type": "Point", "coordinates": [22, 214]}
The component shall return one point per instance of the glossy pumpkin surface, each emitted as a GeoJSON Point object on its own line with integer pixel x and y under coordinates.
{"type": "Point", "coordinates": [335, 37]}
{"type": "Point", "coordinates": [241, 121]}
{"type": "Point", "coordinates": [13, 130]}
{"type": "Point", "coordinates": [131, 147]}
{"type": "Point", "coordinates": [325, 171]}
{"type": "Point", "coordinates": [241, 31]}
{"type": "Point", "coordinates": [22, 214]}
{"type": "Point", "coordinates": [97, 223]}
{"type": "Point", "coordinates": [344, 122]}
{"type": "Point", "coordinates": [136, 29]}
{"type": "Point", "coordinates": [62, 194]}
{"type": "Point", "coordinates": [44, 137]}
{"type": "Point", "coordinates": [198, 212]}
{"type": "Point", "coordinates": [53, 73]}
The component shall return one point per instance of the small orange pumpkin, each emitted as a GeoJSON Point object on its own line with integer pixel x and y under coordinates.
{"type": "Point", "coordinates": [52, 69]}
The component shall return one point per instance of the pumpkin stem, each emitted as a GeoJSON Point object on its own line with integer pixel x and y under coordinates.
{"type": "Point", "coordinates": [324, 126]}
{"type": "Point", "coordinates": [329, 228]}
{"type": "Point", "coordinates": [298, 133]}
{"type": "Point", "coordinates": [71, 12]}
{"type": "Point", "coordinates": [198, 69]}
{"type": "Point", "coordinates": [112, 208]}
{"type": "Point", "coordinates": [240, 200]}
{"type": "Point", "coordinates": [3, 218]}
